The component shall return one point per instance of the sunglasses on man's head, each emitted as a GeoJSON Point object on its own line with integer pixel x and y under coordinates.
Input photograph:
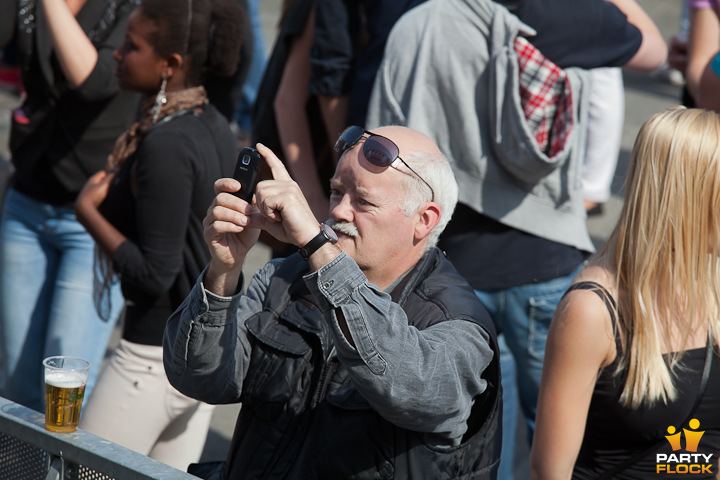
{"type": "Point", "coordinates": [378, 150]}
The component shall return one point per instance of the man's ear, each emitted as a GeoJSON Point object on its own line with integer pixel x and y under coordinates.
{"type": "Point", "coordinates": [428, 218]}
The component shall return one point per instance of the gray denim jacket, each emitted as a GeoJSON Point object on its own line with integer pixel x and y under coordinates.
{"type": "Point", "coordinates": [421, 380]}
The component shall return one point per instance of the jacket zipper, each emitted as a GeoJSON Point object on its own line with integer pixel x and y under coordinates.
{"type": "Point", "coordinates": [330, 367]}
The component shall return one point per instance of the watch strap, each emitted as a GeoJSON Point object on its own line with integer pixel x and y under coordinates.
{"type": "Point", "coordinates": [314, 245]}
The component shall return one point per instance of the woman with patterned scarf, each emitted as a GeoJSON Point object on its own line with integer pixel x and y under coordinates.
{"type": "Point", "coordinates": [145, 212]}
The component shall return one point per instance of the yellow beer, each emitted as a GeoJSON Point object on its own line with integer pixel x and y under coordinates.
{"type": "Point", "coordinates": [64, 391]}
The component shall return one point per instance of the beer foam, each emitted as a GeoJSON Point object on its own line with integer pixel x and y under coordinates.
{"type": "Point", "coordinates": [65, 379]}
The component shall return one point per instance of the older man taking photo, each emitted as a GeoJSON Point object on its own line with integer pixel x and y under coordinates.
{"type": "Point", "coordinates": [364, 355]}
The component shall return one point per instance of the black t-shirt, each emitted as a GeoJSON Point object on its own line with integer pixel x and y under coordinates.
{"type": "Point", "coordinates": [491, 255]}
{"type": "Point", "coordinates": [348, 46]}
{"type": "Point", "coordinates": [579, 33]}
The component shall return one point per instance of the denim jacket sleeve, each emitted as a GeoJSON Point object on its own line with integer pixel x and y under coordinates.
{"type": "Point", "coordinates": [422, 380]}
{"type": "Point", "coordinates": [205, 347]}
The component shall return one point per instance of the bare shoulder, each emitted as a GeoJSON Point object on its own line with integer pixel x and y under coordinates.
{"type": "Point", "coordinates": [583, 318]}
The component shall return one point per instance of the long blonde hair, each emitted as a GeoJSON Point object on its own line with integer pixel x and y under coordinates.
{"type": "Point", "coordinates": [665, 248]}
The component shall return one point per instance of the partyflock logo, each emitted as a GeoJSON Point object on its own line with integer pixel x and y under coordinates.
{"type": "Point", "coordinates": [689, 462]}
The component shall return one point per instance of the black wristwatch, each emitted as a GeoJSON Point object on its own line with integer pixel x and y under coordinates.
{"type": "Point", "coordinates": [326, 234]}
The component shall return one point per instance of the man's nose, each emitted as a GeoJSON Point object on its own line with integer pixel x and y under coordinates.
{"type": "Point", "coordinates": [342, 210]}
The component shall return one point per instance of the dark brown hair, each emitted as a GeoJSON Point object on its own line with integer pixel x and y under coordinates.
{"type": "Point", "coordinates": [212, 42]}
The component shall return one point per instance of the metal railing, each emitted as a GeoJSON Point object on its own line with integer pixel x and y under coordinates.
{"type": "Point", "coordinates": [29, 452]}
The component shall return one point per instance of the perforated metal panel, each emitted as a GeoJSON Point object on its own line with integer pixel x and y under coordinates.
{"type": "Point", "coordinates": [20, 461]}
{"type": "Point", "coordinates": [74, 472]}
{"type": "Point", "coordinates": [28, 452]}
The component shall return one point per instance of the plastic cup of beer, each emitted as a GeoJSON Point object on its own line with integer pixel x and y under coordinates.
{"type": "Point", "coordinates": [65, 379]}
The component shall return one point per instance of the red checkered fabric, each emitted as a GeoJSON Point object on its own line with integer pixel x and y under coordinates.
{"type": "Point", "coordinates": [545, 96]}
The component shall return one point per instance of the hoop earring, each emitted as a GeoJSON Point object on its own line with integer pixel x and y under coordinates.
{"type": "Point", "coordinates": [160, 100]}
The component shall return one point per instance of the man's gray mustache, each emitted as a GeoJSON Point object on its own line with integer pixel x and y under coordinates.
{"type": "Point", "coordinates": [346, 228]}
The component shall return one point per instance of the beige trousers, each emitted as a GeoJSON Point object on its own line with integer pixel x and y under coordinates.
{"type": "Point", "coordinates": [134, 405]}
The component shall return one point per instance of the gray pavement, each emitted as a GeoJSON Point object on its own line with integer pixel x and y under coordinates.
{"type": "Point", "coordinates": [645, 95]}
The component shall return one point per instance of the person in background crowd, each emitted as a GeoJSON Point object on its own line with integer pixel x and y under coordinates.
{"type": "Point", "coordinates": [60, 136]}
{"type": "Point", "coordinates": [708, 88]}
{"type": "Point", "coordinates": [145, 212]}
{"type": "Point", "coordinates": [286, 118]}
{"type": "Point", "coordinates": [693, 55]}
{"type": "Point", "coordinates": [710, 85]}
{"type": "Point", "coordinates": [630, 357]}
{"type": "Point", "coordinates": [225, 92]}
{"type": "Point", "coordinates": [244, 107]}
{"type": "Point", "coordinates": [604, 135]}
{"type": "Point", "coordinates": [678, 54]}
{"type": "Point", "coordinates": [348, 46]}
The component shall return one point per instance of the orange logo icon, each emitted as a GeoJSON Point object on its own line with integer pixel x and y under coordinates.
{"type": "Point", "coordinates": [691, 462]}
{"type": "Point", "coordinates": [692, 436]}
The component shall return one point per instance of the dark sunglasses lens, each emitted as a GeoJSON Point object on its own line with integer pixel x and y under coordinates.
{"type": "Point", "coordinates": [348, 138]}
{"type": "Point", "coordinates": [380, 151]}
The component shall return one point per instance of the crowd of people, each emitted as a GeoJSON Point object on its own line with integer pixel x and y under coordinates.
{"type": "Point", "coordinates": [429, 167]}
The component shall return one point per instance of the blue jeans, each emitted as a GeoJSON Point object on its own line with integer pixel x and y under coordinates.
{"type": "Point", "coordinates": [46, 296]}
{"type": "Point", "coordinates": [522, 315]}
{"type": "Point", "coordinates": [243, 110]}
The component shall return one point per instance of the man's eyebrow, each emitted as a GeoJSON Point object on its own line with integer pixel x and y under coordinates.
{"type": "Point", "coordinates": [359, 190]}
{"type": "Point", "coordinates": [362, 191]}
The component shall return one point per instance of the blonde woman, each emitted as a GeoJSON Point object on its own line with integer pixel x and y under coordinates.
{"type": "Point", "coordinates": [622, 391]}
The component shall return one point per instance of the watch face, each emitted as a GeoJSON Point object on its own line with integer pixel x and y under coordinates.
{"type": "Point", "coordinates": [330, 233]}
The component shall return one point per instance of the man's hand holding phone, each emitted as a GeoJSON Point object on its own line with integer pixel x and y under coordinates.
{"type": "Point", "coordinates": [225, 224]}
{"type": "Point", "coordinates": [233, 222]}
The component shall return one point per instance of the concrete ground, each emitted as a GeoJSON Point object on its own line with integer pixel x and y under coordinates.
{"type": "Point", "coordinates": [645, 95]}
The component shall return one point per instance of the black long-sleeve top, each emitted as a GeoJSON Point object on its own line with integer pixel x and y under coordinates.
{"type": "Point", "coordinates": [62, 135]}
{"type": "Point", "coordinates": [175, 167]}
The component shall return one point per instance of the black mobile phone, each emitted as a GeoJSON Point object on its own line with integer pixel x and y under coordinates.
{"type": "Point", "coordinates": [246, 172]}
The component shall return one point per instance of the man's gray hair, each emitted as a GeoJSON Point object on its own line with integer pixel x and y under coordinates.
{"type": "Point", "coordinates": [434, 168]}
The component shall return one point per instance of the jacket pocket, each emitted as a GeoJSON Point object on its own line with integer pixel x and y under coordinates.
{"type": "Point", "coordinates": [280, 369]}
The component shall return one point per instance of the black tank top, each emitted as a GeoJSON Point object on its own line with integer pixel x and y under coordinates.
{"type": "Point", "coordinates": [614, 433]}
